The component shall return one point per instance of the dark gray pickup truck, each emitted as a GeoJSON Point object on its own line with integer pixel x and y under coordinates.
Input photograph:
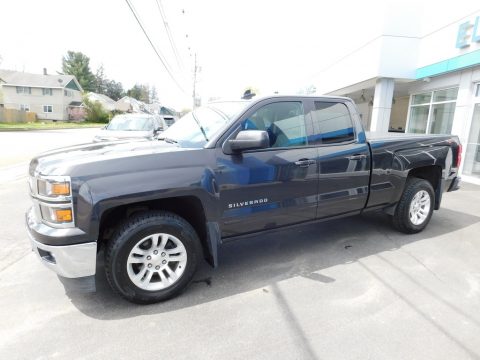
{"type": "Point", "coordinates": [224, 171]}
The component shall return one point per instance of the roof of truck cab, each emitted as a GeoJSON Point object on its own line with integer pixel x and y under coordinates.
{"type": "Point", "coordinates": [301, 97]}
{"type": "Point", "coordinates": [284, 96]}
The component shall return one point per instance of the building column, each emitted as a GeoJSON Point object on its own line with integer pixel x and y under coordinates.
{"type": "Point", "coordinates": [463, 107]}
{"type": "Point", "coordinates": [382, 105]}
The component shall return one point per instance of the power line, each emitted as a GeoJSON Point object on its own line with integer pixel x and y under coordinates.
{"type": "Point", "coordinates": [159, 55]}
{"type": "Point", "coordinates": [169, 34]}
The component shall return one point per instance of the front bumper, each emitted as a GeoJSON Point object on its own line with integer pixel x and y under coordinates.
{"type": "Point", "coordinates": [70, 261]}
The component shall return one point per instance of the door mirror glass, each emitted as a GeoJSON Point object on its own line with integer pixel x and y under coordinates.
{"type": "Point", "coordinates": [250, 140]}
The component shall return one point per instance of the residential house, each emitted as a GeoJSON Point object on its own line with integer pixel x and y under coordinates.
{"type": "Point", "coordinates": [51, 97]}
{"type": "Point", "coordinates": [154, 107]}
{"type": "Point", "coordinates": [108, 104]}
{"type": "Point", "coordinates": [131, 105]}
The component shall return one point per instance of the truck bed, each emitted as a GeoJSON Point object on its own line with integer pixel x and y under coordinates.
{"type": "Point", "coordinates": [393, 156]}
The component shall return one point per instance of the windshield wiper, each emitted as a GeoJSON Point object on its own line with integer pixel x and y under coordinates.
{"type": "Point", "coordinates": [200, 126]}
{"type": "Point", "coordinates": [168, 140]}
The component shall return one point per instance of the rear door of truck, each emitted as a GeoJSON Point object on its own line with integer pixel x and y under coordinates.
{"type": "Point", "coordinates": [343, 157]}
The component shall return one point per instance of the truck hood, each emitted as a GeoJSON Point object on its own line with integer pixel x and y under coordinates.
{"type": "Point", "coordinates": [108, 135]}
{"type": "Point", "coordinates": [62, 161]}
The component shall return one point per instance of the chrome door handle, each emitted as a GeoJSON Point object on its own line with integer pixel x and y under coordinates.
{"type": "Point", "coordinates": [305, 162]}
{"type": "Point", "coordinates": [357, 157]}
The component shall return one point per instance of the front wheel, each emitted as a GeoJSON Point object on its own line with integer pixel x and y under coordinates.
{"type": "Point", "coordinates": [152, 257]}
{"type": "Point", "coordinates": [415, 207]}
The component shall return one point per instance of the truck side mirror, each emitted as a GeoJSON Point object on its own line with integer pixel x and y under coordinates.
{"type": "Point", "coordinates": [249, 140]}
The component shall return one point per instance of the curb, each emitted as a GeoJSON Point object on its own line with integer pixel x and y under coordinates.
{"type": "Point", "coordinates": [41, 129]}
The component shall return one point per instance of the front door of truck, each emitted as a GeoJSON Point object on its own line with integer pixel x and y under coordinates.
{"type": "Point", "coordinates": [343, 157]}
{"type": "Point", "coordinates": [268, 188]}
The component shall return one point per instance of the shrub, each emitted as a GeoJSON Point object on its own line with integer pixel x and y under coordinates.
{"type": "Point", "coordinates": [95, 112]}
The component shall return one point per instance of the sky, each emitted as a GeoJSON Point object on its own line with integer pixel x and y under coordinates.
{"type": "Point", "coordinates": [272, 46]}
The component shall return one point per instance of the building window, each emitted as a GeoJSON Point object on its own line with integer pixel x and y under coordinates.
{"type": "Point", "coordinates": [68, 93]}
{"type": "Point", "coordinates": [432, 112]}
{"type": "Point", "coordinates": [24, 90]}
{"type": "Point", "coordinates": [477, 90]}
{"type": "Point", "coordinates": [47, 108]}
{"type": "Point", "coordinates": [47, 91]}
{"type": "Point", "coordinates": [24, 107]}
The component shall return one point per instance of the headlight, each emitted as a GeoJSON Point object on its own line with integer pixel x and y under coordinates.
{"type": "Point", "coordinates": [56, 215]}
{"type": "Point", "coordinates": [54, 187]}
{"type": "Point", "coordinates": [53, 201]}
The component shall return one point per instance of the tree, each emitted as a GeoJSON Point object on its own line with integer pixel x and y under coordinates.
{"type": "Point", "coordinates": [100, 81]}
{"type": "Point", "coordinates": [105, 86]}
{"type": "Point", "coordinates": [114, 90]}
{"type": "Point", "coordinates": [153, 94]}
{"type": "Point", "coordinates": [78, 65]}
{"type": "Point", "coordinates": [140, 92]}
{"type": "Point", "coordinates": [95, 111]}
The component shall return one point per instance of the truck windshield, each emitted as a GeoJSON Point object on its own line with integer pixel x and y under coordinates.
{"type": "Point", "coordinates": [196, 128]}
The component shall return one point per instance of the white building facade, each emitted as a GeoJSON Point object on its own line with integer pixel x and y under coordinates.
{"type": "Point", "coordinates": [410, 80]}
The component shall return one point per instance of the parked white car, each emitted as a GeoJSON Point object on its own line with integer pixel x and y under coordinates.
{"type": "Point", "coordinates": [131, 126]}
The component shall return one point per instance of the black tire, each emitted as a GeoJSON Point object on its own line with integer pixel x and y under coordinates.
{"type": "Point", "coordinates": [401, 219]}
{"type": "Point", "coordinates": [127, 237]}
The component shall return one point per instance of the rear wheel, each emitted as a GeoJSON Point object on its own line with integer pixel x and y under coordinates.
{"type": "Point", "coordinates": [152, 257]}
{"type": "Point", "coordinates": [415, 207]}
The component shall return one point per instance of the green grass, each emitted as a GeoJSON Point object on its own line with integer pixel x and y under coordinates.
{"type": "Point", "coordinates": [47, 125]}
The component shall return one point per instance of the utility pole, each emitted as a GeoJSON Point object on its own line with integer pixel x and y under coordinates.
{"type": "Point", "coordinates": [194, 95]}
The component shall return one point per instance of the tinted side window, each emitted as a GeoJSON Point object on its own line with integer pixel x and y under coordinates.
{"type": "Point", "coordinates": [332, 123]}
{"type": "Point", "coordinates": [283, 121]}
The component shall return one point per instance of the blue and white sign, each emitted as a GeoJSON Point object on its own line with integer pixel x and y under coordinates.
{"type": "Point", "coordinates": [468, 33]}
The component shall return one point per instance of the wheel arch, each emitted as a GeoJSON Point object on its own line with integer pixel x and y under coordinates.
{"type": "Point", "coordinates": [431, 163]}
{"type": "Point", "coordinates": [432, 174]}
{"type": "Point", "coordinates": [188, 207]}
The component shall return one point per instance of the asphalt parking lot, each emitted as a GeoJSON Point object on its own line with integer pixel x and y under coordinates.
{"type": "Point", "coordinates": [347, 289]}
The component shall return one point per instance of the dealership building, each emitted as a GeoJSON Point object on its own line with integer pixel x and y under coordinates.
{"type": "Point", "coordinates": [411, 80]}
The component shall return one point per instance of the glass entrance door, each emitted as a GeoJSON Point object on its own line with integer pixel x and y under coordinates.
{"type": "Point", "coordinates": [472, 154]}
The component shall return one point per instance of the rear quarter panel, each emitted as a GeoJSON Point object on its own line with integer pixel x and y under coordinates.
{"type": "Point", "coordinates": [394, 156]}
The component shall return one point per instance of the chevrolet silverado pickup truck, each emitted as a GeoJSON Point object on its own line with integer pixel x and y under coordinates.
{"type": "Point", "coordinates": [225, 171]}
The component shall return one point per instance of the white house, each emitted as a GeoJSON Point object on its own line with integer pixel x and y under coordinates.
{"type": "Point", "coordinates": [107, 103]}
{"type": "Point", "coordinates": [129, 104]}
{"type": "Point", "coordinates": [51, 97]}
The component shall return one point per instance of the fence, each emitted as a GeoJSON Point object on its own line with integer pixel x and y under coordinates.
{"type": "Point", "coordinates": [16, 116]}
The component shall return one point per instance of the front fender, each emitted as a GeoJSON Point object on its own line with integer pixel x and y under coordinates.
{"type": "Point", "coordinates": [109, 192]}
